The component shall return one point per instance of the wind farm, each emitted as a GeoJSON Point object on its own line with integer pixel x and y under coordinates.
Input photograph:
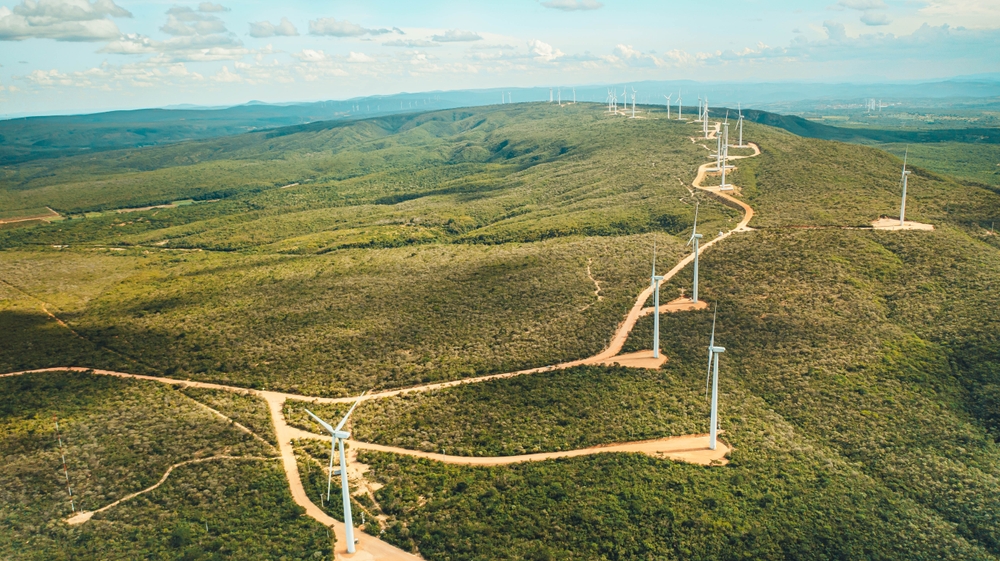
{"type": "Point", "coordinates": [474, 327]}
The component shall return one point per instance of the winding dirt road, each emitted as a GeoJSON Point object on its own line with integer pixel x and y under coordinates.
{"type": "Point", "coordinates": [688, 448]}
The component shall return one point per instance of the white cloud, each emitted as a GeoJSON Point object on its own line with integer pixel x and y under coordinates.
{"type": "Point", "coordinates": [284, 28]}
{"type": "Point", "coordinates": [411, 43]}
{"type": "Point", "coordinates": [333, 28]}
{"type": "Point", "coordinates": [874, 18]}
{"type": "Point", "coordinates": [210, 7]}
{"type": "Point", "coordinates": [359, 57]}
{"type": "Point", "coordinates": [62, 20]}
{"type": "Point", "coordinates": [226, 76]}
{"type": "Point", "coordinates": [184, 21]}
{"type": "Point", "coordinates": [572, 5]}
{"type": "Point", "coordinates": [310, 55]}
{"type": "Point", "coordinates": [456, 36]}
{"type": "Point", "coordinates": [544, 52]}
{"type": "Point", "coordinates": [968, 13]}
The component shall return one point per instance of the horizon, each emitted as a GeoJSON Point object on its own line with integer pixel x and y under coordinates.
{"type": "Point", "coordinates": [77, 56]}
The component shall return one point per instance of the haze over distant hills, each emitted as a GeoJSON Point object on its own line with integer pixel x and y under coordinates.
{"type": "Point", "coordinates": [31, 137]}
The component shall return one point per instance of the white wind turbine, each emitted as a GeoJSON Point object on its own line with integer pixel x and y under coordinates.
{"type": "Point", "coordinates": [654, 280]}
{"type": "Point", "coordinates": [699, 109]}
{"type": "Point", "coordinates": [740, 109]}
{"type": "Point", "coordinates": [704, 121]}
{"type": "Point", "coordinates": [633, 103]}
{"type": "Point", "coordinates": [668, 104]}
{"type": "Point", "coordinates": [902, 206]}
{"type": "Point", "coordinates": [560, 97]}
{"type": "Point", "coordinates": [625, 96]}
{"type": "Point", "coordinates": [574, 96]}
{"type": "Point", "coordinates": [724, 155]}
{"type": "Point", "coordinates": [680, 106]}
{"type": "Point", "coordinates": [695, 237]}
{"type": "Point", "coordinates": [337, 438]}
{"type": "Point", "coordinates": [550, 95]}
{"type": "Point", "coordinates": [713, 353]}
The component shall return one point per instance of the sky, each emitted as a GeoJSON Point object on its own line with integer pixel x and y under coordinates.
{"type": "Point", "coordinates": [86, 55]}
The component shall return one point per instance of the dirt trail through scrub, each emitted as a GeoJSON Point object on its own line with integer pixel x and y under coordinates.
{"type": "Point", "coordinates": [85, 515]}
{"type": "Point", "coordinates": [687, 448]}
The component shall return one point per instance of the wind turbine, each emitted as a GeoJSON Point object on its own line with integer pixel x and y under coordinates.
{"type": "Point", "coordinates": [654, 280]}
{"type": "Point", "coordinates": [740, 109]}
{"type": "Point", "coordinates": [574, 96]}
{"type": "Point", "coordinates": [906, 173]}
{"type": "Point", "coordinates": [550, 95]}
{"type": "Point", "coordinates": [337, 438]}
{"type": "Point", "coordinates": [625, 96]}
{"type": "Point", "coordinates": [633, 103]}
{"type": "Point", "coordinates": [713, 353]}
{"type": "Point", "coordinates": [704, 123]}
{"type": "Point", "coordinates": [680, 106]}
{"type": "Point", "coordinates": [695, 236]}
{"type": "Point", "coordinates": [560, 97]}
{"type": "Point", "coordinates": [668, 104]}
{"type": "Point", "coordinates": [699, 108]}
{"type": "Point", "coordinates": [724, 155]}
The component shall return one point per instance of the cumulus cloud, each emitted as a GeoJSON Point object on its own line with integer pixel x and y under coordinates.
{"type": "Point", "coordinates": [197, 36]}
{"type": "Point", "coordinates": [62, 20]}
{"type": "Point", "coordinates": [874, 18]}
{"type": "Point", "coordinates": [284, 28]}
{"type": "Point", "coordinates": [183, 21]}
{"type": "Point", "coordinates": [572, 5]}
{"type": "Point", "coordinates": [543, 52]}
{"type": "Point", "coordinates": [226, 76]}
{"type": "Point", "coordinates": [343, 28]}
{"type": "Point", "coordinates": [359, 57]}
{"type": "Point", "coordinates": [456, 36]}
{"type": "Point", "coordinates": [869, 16]}
{"type": "Point", "coordinates": [209, 7]}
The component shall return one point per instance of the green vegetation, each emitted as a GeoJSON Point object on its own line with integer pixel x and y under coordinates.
{"type": "Point", "coordinates": [860, 387]}
{"type": "Point", "coordinates": [804, 182]}
{"type": "Point", "coordinates": [415, 265]}
{"type": "Point", "coordinates": [225, 509]}
{"type": "Point", "coordinates": [242, 407]}
{"type": "Point", "coordinates": [120, 436]}
{"type": "Point", "coordinates": [969, 162]}
{"type": "Point", "coordinates": [549, 411]}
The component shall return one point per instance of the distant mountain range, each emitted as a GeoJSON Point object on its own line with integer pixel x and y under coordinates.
{"type": "Point", "coordinates": [29, 138]}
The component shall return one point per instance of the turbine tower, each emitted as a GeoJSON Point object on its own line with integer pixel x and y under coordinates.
{"type": "Point", "coordinates": [704, 122]}
{"type": "Point", "coordinates": [337, 438]}
{"type": "Point", "coordinates": [654, 280]}
{"type": "Point", "coordinates": [695, 236]}
{"type": "Point", "coordinates": [668, 104]}
{"type": "Point", "coordinates": [680, 106]}
{"type": "Point", "coordinates": [724, 156]}
{"type": "Point", "coordinates": [713, 360]}
{"type": "Point", "coordinates": [550, 95]}
{"type": "Point", "coordinates": [740, 109]}
{"type": "Point", "coordinates": [902, 206]}
{"type": "Point", "coordinates": [633, 103]}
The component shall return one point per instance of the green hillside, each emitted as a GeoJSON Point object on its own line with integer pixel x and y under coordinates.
{"type": "Point", "coordinates": [860, 389]}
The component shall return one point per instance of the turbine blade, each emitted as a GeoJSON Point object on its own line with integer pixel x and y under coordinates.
{"type": "Point", "coordinates": [694, 229]}
{"type": "Point", "coordinates": [349, 411]}
{"type": "Point", "coordinates": [321, 421]}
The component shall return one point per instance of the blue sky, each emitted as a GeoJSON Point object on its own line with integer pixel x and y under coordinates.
{"type": "Point", "coordinates": [77, 55]}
